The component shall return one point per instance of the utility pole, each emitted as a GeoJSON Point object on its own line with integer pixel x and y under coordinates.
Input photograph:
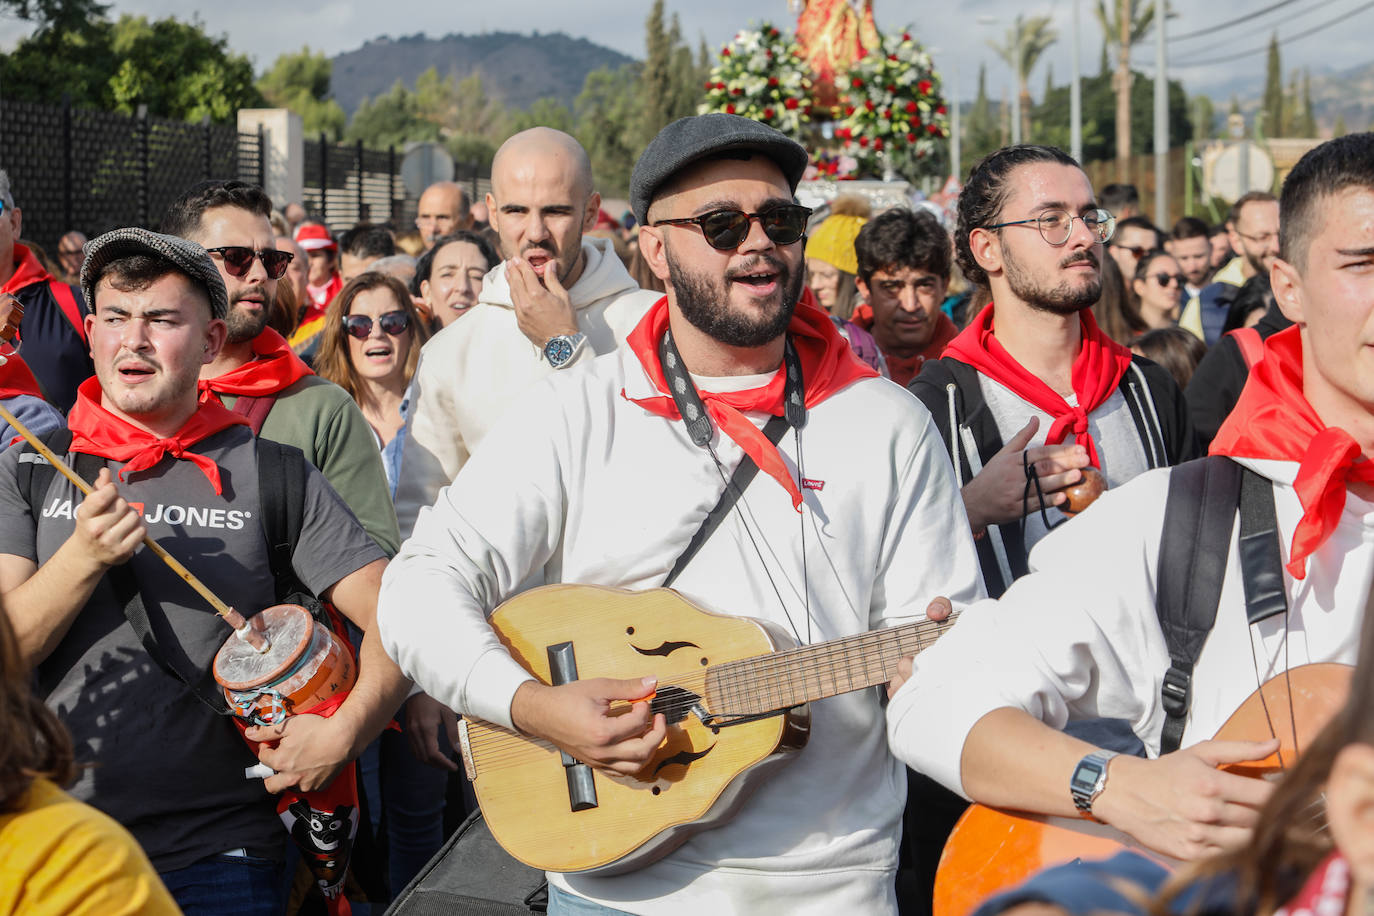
{"type": "Point", "coordinates": [1076, 97]}
{"type": "Point", "coordinates": [1161, 118]}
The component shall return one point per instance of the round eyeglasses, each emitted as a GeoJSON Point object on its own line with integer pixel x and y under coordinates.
{"type": "Point", "coordinates": [1057, 225]}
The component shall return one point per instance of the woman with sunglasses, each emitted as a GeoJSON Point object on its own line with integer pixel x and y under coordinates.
{"type": "Point", "coordinates": [1158, 287]}
{"type": "Point", "coordinates": [369, 347]}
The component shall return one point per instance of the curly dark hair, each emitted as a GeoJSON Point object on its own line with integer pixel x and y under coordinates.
{"type": "Point", "coordinates": [903, 238]}
{"type": "Point", "coordinates": [184, 215]}
{"type": "Point", "coordinates": [35, 743]}
{"type": "Point", "coordinates": [987, 189]}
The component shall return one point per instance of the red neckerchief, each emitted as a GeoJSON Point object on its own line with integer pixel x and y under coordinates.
{"type": "Point", "coordinates": [903, 369]}
{"type": "Point", "coordinates": [27, 271]}
{"type": "Point", "coordinates": [319, 302]}
{"type": "Point", "coordinates": [828, 365]}
{"type": "Point", "coordinates": [96, 431]}
{"type": "Point", "coordinates": [16, 378]}
{"type": "Point", "coordinates": [1273, 420]}
{"type": "Point", "coordinates": [1325, 891]}
{"type": "Point", "coordinates": [273, 367]}
{"type": "Point", "coordinates": [1097, 371]}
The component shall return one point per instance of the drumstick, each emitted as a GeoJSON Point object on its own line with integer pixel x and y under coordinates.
{"type": "Point", "coordinates": [242, 629]}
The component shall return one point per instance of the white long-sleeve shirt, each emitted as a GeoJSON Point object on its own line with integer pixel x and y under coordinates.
{"type": "Point", "coordinates": [1080, 638]}
{"type": "Point", "coordinates": [588, 487]}
{"type": "Point", "coordinates": [474, 369]}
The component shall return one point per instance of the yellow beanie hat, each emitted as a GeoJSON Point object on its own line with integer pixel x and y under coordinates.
{"type": "Point", "coordinates": [833, 240]}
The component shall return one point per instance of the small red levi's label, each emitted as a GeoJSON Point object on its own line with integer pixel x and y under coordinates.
{"type": "Point", "coordinates": [810, 484]}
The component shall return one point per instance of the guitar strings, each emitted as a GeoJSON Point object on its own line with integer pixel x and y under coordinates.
{"type": "Point", "coordinates": [500, 744]}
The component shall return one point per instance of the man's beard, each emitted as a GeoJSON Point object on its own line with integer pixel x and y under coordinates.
{"type": "Point", "coordinates": [1064, 299]}
{"type": "Point", "coordinates": [243, 325]}
{"type": "Point", "coordinates": [1256, 261]}
{"type": "Point", "coordinates": [704, 302]}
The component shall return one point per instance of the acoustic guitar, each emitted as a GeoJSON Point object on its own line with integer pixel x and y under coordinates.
{"type": "Point", "coordinates": [733, 690]}
{"type": "Point", "coordinates": [992, 850]}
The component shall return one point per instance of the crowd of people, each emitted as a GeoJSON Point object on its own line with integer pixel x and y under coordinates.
{"type": "Point", "coordinates": [405, 427]}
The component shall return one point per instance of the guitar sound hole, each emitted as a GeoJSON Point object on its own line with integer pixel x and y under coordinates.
{"type": "Point", "coordinates": [674, 702]}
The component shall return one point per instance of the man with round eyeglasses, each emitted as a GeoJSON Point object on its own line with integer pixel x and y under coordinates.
{"type": "Point", "coordinates": [1033, 392]}
{"type": "Point", "coordinates": [605, 475]}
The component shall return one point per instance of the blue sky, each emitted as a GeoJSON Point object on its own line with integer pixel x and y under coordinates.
{"type": "Point", "coordinates": [959, 30]}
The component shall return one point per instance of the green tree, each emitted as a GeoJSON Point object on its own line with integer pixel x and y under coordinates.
{"type": "Point", "coordinates": [179, 71]}
{"type": "Point", "coordinates": [606, 117]}
{"type": "Point", "coordinates": [1307, 125]}
{"type": "Point", "coordinates": [61, 15]}
{"type": "Point", "coordinates": [1022, 48]}
{"type": "Point", "coordinates": [1272, 105]}
{"type": "Point", "coordinates": [1123, 27]}
{"type": "Point", "coordinates": [171, 66]}
{"type": "Point", "coordinates": [981, 133]}
{"type": "Point", "coordinates": [299, 81]}
{"type": "Point", "coordinates": [1099, 116]}
{"type": "Point", "coordinates": [392, 118]}
{"type": "Point", "coordinates": [544, 112]}
{"type": "Point", "coordinates": [1203, 115]}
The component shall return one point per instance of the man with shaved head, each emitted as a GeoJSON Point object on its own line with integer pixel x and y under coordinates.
{"type": "Point", "coordinates": [444, 209]}
{"type": "Point", "coordinates": [557, 300]}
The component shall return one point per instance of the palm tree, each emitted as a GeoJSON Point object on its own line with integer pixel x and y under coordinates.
{"type": "Point", "coordinates": [1026, 41]}
{"type": "Point", "coordinates": [1122, 28]}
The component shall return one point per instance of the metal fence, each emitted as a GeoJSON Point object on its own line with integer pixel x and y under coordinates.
{"type": "Point", "coordinates": [347, 183]}
{"type": "Point", "coordinates": [76, 168]}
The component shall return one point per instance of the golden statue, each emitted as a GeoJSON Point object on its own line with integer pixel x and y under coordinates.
{"type": "Point", "coordinates": [833, 34]}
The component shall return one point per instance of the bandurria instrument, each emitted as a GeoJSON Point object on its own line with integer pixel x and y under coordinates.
{"type": "Point", "coordinates": [732, 692]}
{"type": "Point", "coordinates": [992, 850]}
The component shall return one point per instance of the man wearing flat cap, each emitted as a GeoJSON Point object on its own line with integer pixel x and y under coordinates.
{"type": "Point", "coordinates": [596, 478]}
{"type": "Point", "coordinates": [120, 646]}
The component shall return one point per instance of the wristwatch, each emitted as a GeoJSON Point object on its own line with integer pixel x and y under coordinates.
{"type": "Point", "coordinates": [560, 350]}
{"type": "Point", "coordinates": [1088, 780]}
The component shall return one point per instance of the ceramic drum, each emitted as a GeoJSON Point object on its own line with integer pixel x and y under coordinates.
{"type": "Point", "coordinates": [306, 664]}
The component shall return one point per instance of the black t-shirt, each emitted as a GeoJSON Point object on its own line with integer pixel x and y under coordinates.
{"type": "Point", "coordinates": [156, 758]}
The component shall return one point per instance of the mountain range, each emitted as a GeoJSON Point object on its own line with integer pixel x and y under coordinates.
{"type": "Point", "coordinates": [516, 69]}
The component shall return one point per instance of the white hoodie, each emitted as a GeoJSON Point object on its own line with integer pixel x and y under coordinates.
{"type": "Point", "coordinates": [472, 370]}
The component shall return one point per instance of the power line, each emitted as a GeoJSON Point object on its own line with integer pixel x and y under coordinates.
{"type": "Point", "coordinates": [1290, 39]}
{"type": "Point", "coordinates": [1230, 22]}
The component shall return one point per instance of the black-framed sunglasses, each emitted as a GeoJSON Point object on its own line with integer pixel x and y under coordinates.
{"type": "Point", "coordinates": [726, 228]}
{"type": "Point", "coordinates": [393, 323]}
{"type": "Point", "coordinates": [1137, 251]}
{"type": "Point", "coordinates": [238, 260]}
{"type": "Point", "coordinates": [1057, 225]}
{"type": "Point", "coordinates": [1164, 279]}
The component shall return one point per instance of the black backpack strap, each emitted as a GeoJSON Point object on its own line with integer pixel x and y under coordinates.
{"type": "Point", "coordinates": [1200, 512]}
{"type": "Point", "coordinates": [744, 474]}
{"type": "Point", "coordinates": [281, 491]}
{"type": "Point", "coordinates": [1261, 556]}
{"type": "Point", "coordinates": [34, 474]}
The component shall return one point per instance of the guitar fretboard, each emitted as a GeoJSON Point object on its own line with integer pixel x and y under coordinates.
{"type": "Point", "coordinates": [766, 683]}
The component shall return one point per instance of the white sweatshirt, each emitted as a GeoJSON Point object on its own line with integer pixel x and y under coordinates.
{"type": "Point", "coordinates": [591, 488]}
{"type": "Point", "coordinates": [1079, 637]}
{"type": "Point", "coordinates": [471, 371]}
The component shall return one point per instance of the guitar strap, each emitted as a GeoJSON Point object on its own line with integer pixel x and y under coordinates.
{"type": "Point", "coordinates": [693, 412]}
{"type": "Point", "coordinates": [1199, 517]}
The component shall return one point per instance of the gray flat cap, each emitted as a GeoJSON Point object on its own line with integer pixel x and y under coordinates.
{"type": "Point", "coordinates": [688, 139]}
{"type": "Point", "coordinates": [189, 258]}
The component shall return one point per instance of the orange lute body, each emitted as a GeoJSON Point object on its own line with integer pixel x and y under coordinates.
{"type": "Point", "coordinates": [992, 850]}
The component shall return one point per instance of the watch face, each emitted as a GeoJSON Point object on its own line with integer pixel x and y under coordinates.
{"type": "Point", "coordinates": [558, 351]}
{"type": "Point", "coordinates": [1085, 775]}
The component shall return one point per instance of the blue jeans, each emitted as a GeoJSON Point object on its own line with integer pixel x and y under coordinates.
{"type": "Point", "coordinates": [228, 886]}
{"type": "Point", "coordinates": [562, 903]}
{"type": "Point", "coordinates": [409, 796]}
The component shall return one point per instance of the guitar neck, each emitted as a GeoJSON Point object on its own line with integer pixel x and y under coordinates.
{"type": "Point", "coordinates": [767, 683]}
